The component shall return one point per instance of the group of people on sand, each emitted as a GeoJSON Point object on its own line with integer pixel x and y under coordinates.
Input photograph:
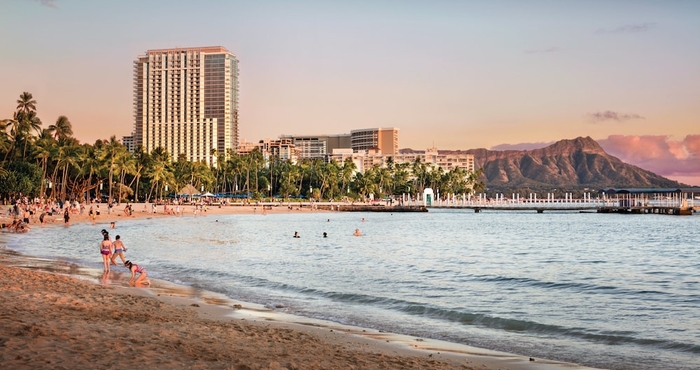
{"type": "Point", "coordinates": [110, 250]}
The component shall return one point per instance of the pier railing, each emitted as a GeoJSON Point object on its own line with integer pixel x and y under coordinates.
{"type": "Point", "coordinates": [669, 205]}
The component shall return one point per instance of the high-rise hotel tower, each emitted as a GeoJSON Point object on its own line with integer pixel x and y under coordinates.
{"type": "Point", "coordinates": [186, 102]}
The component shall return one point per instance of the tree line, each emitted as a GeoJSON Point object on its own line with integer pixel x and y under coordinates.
{"type": "Point", "coordinates": [50, 162]}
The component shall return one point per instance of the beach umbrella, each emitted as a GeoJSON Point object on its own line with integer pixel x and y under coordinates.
{"type": "Point", "coordinates": [188, 190]}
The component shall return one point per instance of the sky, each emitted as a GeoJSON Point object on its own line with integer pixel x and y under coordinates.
{"type": "Point", "coordinates": [449, 74]}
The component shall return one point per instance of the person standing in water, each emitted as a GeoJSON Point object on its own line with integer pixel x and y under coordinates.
{"type": "Point", "coordinates": [119, 249]}
{"type": "Point", "coordinates": [106, 251]}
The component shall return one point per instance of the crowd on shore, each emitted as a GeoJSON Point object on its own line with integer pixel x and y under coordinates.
{"type": "Point", "coordinates": [18, 214]}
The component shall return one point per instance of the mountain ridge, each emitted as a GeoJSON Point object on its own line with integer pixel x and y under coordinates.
{"type": "Point", "coordinates": [570, 163]}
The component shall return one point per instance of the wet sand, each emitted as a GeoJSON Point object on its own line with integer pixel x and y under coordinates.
{"type": "Point", "coordinates": [57, 315]}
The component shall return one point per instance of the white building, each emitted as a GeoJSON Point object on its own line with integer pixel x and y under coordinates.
{"type": "Point", "coordinates": [447, 160]}
{"type": "Point", "coordinates": [186, 101]}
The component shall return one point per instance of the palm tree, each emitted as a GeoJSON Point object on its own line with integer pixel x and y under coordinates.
{"type": "Point", "coordinates": [90, 164]}
{"type": "Point", "coordinates": [327, 174]}
{"type": "Point", "coordinates": [5, 143]}
{"type": "Point", "coordinates": [24, 123]}
{"type": "Point", "coordinates": [288, 174]}
{"type": "Point", "coordinates": [202, 174]}
{"type": "Point", "coordinates": [26, 103]}
{"type": "Point", "coordinates": [143, 161]}
{"type": "Point", "coordinates": [364, 183]}
{"type": "Point", "coordinates": [112, 150]}
{"type": "Point", "coordinates": [125, 163]}
{"type": "Point", "coordinates": [68, 156]}
{"type": "Point", "coordinates": [475, 181]}
{"type": "Point", "coordinates": [347, 172]}
{"type": "Point", "coordinates": [434, 177]}
{"type": "Point", "coordinates": [384, 177]}
{"type": "Point", "coordinates": [159, 172]}
{"type": "Point", "coordinates": [62, 129]}
{"type": "Point", "coordinates": [255, 162]}
{"type": "Point", "coordinates": [304, 169]}
{"type": "Point", "coordinates": [235, 164]}
{"type": "Point", "coordinates": [400, 181]}
{"type": "Point", "coordinates": [420, 171]}
{"type": "Point", "coordinates": [44, 149]}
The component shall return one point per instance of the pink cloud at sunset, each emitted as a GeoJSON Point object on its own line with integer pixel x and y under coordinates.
{"type": "Point", "coordinates": [675, 159]}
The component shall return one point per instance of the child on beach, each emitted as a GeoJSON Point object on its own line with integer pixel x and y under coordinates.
{"type": "Point", "coordinates": [119, 249]}
{"type": "Point", "coordinates": [106, 250]}
{"type": "Point", "coordinates": [134, 268]}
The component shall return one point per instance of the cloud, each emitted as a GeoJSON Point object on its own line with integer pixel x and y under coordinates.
{"type": "Point", "coordinates": [629, 28]}
{"type": "Point", "coordinates": [539, 51]}
{"type": "Point", "coordinates": [675, 159]}
{"type": "Point", "coordinates": [48, 3]}
{"type": "Point", "coordinates": [521, 146]}
{"type": "Point", "coordinates": [610, 115]}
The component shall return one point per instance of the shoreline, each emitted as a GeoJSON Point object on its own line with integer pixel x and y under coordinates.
{"type": "Point", "coordinates": [362, 345]}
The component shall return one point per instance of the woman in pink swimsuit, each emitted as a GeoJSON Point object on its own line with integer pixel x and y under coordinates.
{"type": "Point", "coordinates": [134, 268]}
{"type": "Point", "coordinates": [106, 251]}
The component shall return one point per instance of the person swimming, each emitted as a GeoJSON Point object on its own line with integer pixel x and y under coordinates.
{"type": "Point", "coordinates": [325, 235]}
{"type": "Point", "coordinates": [357, 232]}
{"type": "Point", "coordinates": [296, 235]}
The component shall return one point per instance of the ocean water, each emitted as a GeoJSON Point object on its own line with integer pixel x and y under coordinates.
{"type": "Point", "coordinates": [602, 290]}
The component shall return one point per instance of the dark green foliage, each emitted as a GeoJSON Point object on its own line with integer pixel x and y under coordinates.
{"type": "Point", "coordinates": [21, 178]}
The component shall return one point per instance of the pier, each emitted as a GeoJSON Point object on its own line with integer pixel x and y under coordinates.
{"type": "Point", "coordinates": [680, 201]}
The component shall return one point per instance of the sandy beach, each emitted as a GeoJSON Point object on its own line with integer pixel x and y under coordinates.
{"type": "Point", "coordinates": [59, 316]}
{"type": "Point", "coordinates": [142, 210]}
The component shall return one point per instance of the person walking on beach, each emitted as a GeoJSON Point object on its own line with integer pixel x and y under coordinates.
{"type": "Point", "coordinates": [134, 268]}
{"type": "Point", "coordinates": [106, 250]}
{"type": "Point", "coordinates": [119, 249]}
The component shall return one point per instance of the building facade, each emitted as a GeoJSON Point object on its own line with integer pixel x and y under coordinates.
{"type": "Point", "coordinates": [186, 101]}
{"type": "Point", "coordinates": [283, 149]}
{"type": "Point", "coordinates": [366, 159]}
{"type": "Point", "coordinates": [318, 146]}
{"type": "Point", "coordinates": [384, 139]}
{"type": "Point", "coordinates": [128, 142]}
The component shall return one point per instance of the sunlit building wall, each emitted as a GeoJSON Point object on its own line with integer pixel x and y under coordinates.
{"type": "Point", "coordinates": [186, 102]}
